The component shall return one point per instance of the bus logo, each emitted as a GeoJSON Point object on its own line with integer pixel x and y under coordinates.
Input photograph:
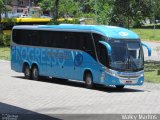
{"type": "Point", "coordinates": [78, 60]}
{"type": "Point", "coordinates": [123, 34]}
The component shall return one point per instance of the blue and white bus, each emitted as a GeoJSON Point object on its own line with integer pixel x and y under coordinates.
{"type": "Point", "coordinates": [95, 54]}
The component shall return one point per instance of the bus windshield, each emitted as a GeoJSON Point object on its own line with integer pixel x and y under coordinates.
{"type": "Point", "coordinates": [126, 55]}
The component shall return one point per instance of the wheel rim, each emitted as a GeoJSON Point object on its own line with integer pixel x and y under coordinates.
{"type": "Point", "coordinates": [35, 73]}
{"type": "Point", "coordinates": [27, 72]}
{"type": "Point", "coordinates": [88, 80]}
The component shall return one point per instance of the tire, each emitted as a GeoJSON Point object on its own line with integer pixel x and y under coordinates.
{"type": "Point", "coordinates": [89, 80]}
{"type": "Point", "coordinates": [35, 73]}
{"type": "Point", "coordinates": [27, 72]}
{"type": "Point", "coordinates": [119, 86]}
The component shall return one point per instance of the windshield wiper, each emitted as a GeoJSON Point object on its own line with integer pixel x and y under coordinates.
{"type": "Point", "coordinates": [132, 62]}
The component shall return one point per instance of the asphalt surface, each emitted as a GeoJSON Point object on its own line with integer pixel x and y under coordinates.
{"type": "Point", "coordinates": [155, 51]}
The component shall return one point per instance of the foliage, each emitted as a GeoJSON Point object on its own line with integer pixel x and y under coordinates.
{"type": "Point", "coordinates": [7, 22]}
{"type": "Point", "coordinates": [151, 71]}
{"type": "Point", "coordinates": [3, 9]}
{"type": "Point", "coordinates": [67, 8]}
{"type": "Point", "coordinates": [155, 9]}
{"type": "Point", "coordinates": [114, 12]}
{"type": "Point", "coordinates": [66, 21]}
{"type": "Point", "coordinates": [4, 53]}
{"type": "Point", "coordinates": [5, 39]}
{"type": "Point", "coordinates": [1, 4]}
{"type": "Point", "coordinates": [130, 12]}
{"type": "Point", "coordinates": [46, 5]}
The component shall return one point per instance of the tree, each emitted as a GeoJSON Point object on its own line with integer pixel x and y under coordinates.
{"type": "Point", "coordinates": [155, 9]}
{"type": "Point", "coordinates": [130, 12]}
{"type": "Point", "coordinates": [46, 5]}
{"type": "Point", "coordinates": [1, 10]}
{"type": "Point", "coordinates": [113, 12]}
{"type": "Point", "coordinates": [140, 10]}
{"type": "Point", "coordinates": [68, 8]}
{"type": "Point", "coordinates": [101, 9]}
{"type": "Point", "coordinates": [55, 10]}
{"type": "Point", "coordinates": [51, 6]}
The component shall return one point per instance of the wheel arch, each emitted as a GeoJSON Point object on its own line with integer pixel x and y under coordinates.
{"type": "Point", "coordinates": [34, 64]}
{"type": "Point", "coordinates": [24, 64]}
{"type": "Point", "coordinates": [87, 70]}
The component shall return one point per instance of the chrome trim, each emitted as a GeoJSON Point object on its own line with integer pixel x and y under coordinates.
{"type": "Point", "coordinates": [125, 75]}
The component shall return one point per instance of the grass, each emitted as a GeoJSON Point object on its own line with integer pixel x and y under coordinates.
{"type": "Point", "coordinates": [4, 53]}
{"type": "Point", "coordinates": [148, 34]}
{"type": "Point", "coordinates": [151, 71]}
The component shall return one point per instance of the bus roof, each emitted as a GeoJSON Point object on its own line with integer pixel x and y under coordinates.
{"type": "Point", "coordinates": [107, 31]}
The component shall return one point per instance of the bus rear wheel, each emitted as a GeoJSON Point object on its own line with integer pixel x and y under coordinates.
{"type": "Point", "coordinates": [89, 80]}
{"type": "Point", "coordinates": [119, 86]}
{"type": "Point", "coordinates": [35, 73]}
{"type": "Point", "coordinates": [27, 72]}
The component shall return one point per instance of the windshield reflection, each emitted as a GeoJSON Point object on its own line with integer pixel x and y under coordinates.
{"type": "Point", "coordinates": [126, 55]}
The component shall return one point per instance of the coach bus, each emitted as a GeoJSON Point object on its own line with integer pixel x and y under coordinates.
{"type": "Point", "coordinates": [93, 54]}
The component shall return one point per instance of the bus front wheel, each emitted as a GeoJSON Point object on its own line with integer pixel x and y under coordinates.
{"type": "Point", "coordinates": [27, 72]}
{"type": "Point", "coordinates": [35, 73]}
{"type": "Point", "coordinates": [119, 86]}
{"type": "Point", "coordinates": [89, 80]}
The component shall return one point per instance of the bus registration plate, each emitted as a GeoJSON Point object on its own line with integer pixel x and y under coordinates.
{"type": "Point", "coordinates": [129, 81]}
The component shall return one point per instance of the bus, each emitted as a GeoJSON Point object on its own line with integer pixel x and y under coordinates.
{"type": "Point", "coordinates": [93, 54]}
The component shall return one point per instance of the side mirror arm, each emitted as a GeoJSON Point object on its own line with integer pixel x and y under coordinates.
{"type": "Point", "coordinates": [109, 49]}
{"type": "Point", "coordinates": [148, 47]}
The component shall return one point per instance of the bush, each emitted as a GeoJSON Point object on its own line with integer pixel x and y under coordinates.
{"type": "Point", "coordinates": [65, 21]}
{"type": "Point", "coordinates": [1, 39]}
{"type": "Point", "coordinates": [5, 39]}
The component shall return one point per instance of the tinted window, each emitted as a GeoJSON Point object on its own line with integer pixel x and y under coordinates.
{"type": "Point", "coordinates": [25, 37]}
{"type": "Point", "coordinates": [59, 39]}
{"type": "Point", "coordinates": [101, 49]}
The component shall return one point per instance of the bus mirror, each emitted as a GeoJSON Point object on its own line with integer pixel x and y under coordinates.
{"type": "Point", "coordinates": [148, 47]}
{"type": "Point", "coordinates": [107, 46]}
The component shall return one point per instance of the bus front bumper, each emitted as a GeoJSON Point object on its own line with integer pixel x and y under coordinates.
{"type": "Point", "coordinates": [124, 78]}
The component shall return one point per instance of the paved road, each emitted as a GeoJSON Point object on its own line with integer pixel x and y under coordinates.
{"type": "Point", "coordinates": [18, 95]}
{"type": "Point", "coordinates": [155, 51]}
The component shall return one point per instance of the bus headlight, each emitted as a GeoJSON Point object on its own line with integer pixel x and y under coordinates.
{"type": "Point", "coordinates": [142, 75]}
{"type": "Point", "coordinates": [112, 72]}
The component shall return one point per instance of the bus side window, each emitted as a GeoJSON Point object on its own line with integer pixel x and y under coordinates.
{"type": "Point", "coordinates": [70, 39]}
{"type": "Point", "coordinates": [101, 50]}
{"type": "Point", "coordinates": [18, 36]}
{"type": "Point", "coordinates": [52, 38]}
{"type": "Point", "coordinates": [102, 55]}
{"type": "Point", "coordinates": [86, 44]}
{"type": "Point", "coordinates": [60, 37]}
{"type": "Point", "coordinates": [34, 38]}
{"type": "Point", "coordinates": [15, 37]}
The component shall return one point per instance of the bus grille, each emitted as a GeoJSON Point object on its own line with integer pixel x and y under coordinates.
{"type": "Point", "coordinates": [122, 76]}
